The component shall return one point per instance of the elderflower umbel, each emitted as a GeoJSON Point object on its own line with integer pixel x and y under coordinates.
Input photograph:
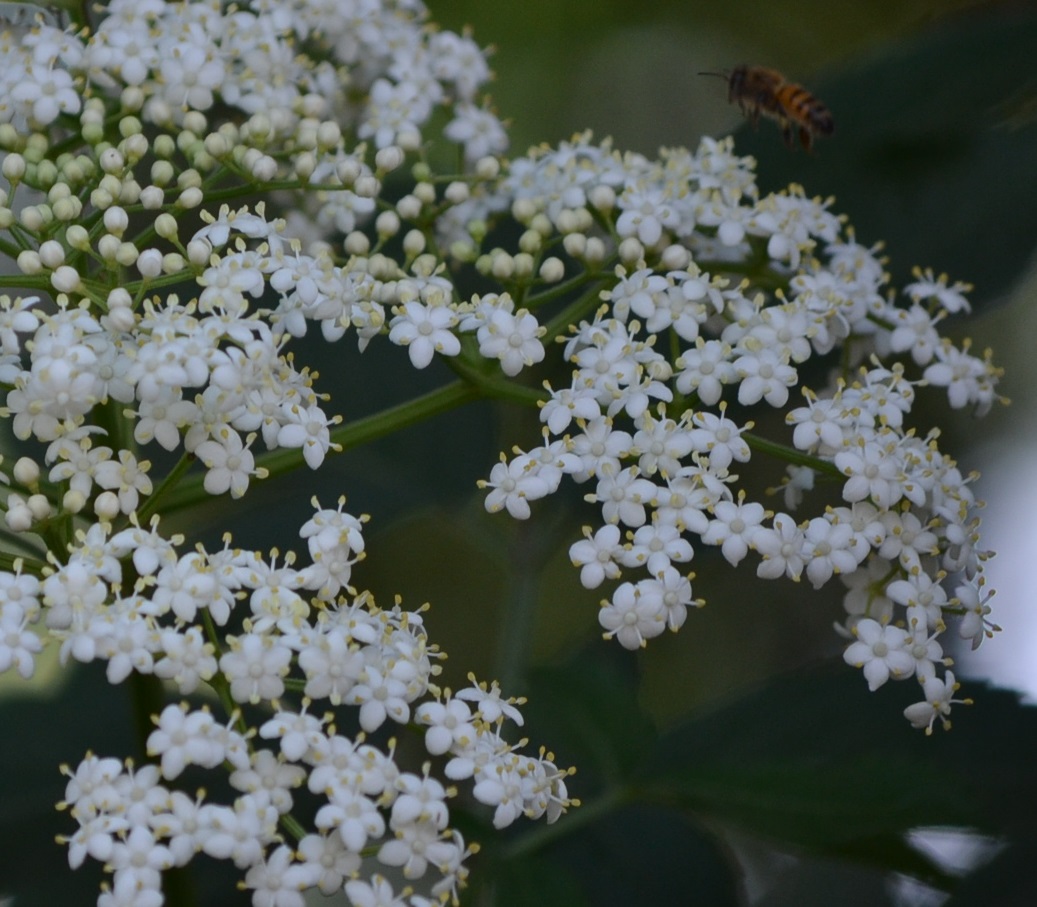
{"type": "Point", "coordinates": [669, 288]}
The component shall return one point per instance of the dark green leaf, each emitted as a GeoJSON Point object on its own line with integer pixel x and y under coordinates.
{"type": "Point", "coordinates": [815, 761]}
{"type": "Point", "coordinates": [535, 880]}
{"type": "Point", "coordinates": [641, 855]}
{"type": "Point", "coordinates": [589, 711]}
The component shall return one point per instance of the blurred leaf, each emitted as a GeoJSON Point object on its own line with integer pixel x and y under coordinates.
{"type": "Point", "coordinates": [934, 149]}
{"type": "Point", "coordinates": [588, 709]}
{"type": "Point", "coordinates": [643, 855]}
{"type": "Point", "coordinates": [814, 883]}
{"type": "Point", "coordinates": [1006, 881]}
{"type": "Point", "coordinates": [815, 761]}
{"type": "Point", "coordinates": [536, 880]}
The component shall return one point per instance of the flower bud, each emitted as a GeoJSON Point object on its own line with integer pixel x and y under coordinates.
{"type": "Point", "coordinates": [66, 279]}
{"type": "Point", "coordinates": [414, 243]}
{"type": "Point", "coordinates": [116, 220]}
{"type": "Point", "coordinates": [152, 198]}
{"type": "Point", "coordinates": [357, 243]}
{"type": "Point", "coordinates": [675, 258]}
{"type": "Point", "coordinates": [29, 262]}
{"type": "Point", "coordinates": [387, 224]}
{"type": "Point", "coordinates": [388, 159]}
{"type": "Point", "coordinates": [487, 168]}
{"type": "Point", "coordinates": [409, 207]}
{"type": "Point", "coordinates": [40, 507]}
{"type": "Point", "coordinates": [52, 254]}
{"type": "Point", "coordinates": [107, 506]}
{"type": "Point", "coordinates": [149, 263]}
{"type": "Point", "coordinates": [457, 192]}
{"type": "Point", "coordinates": [112, 161]}
{"type": "Point", "coordinates": [631, 251]}
{"type": "Point", "coordinates": [26, 472]}
{"type": "Point", "coordinates": [552, 269]}
{"type": "Point", "coordinates": [13, 167]}
{"type": "Point", "coordinates": [73, 501]}
{"type": "Point", "coordinates": [18, 516]}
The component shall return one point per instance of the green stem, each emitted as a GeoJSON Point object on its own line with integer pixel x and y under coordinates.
{"type": "Point", "coordinates": [791, 455]}
{"type": "Point", "coordinates": [574, 311]}
{"type": "Point", "coordinates": [166, 488]}
{"type": "Point", "coordinates": [489, 384]}
{"type": "Point", "coordinates": [352, 434]}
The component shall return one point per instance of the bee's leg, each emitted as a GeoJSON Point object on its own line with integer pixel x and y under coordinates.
{"type": "Point", "coordinates": [805, 138]}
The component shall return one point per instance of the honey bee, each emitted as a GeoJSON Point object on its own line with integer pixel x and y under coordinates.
{"type": "Point", "coordinates": [763, 91]}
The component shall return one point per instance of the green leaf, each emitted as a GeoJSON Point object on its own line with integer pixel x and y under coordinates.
{"type": "Point", "coordinates": [588, 709]}
{"type": "Point", "coordinates": [644, 855]}
{"type": "Point", "coordinates": [535, 880]}
{"type": "Point", "coordinates": [814, 761]}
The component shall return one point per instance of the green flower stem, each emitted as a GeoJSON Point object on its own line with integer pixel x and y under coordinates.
{"type": "Point", "coordinates": [293, 826]}
{"type": "Point", "coordinates": [165, 490]}
{"type": "Point", "coordinates": [791, 455]}
{"type": "Point", "coordinates": [490, 383]}
{"type": "Point", "coordinates": [585, 304]}
{"type": "Point", "coordinates": [558, 291]}
{"type": "Point", "coordinates": [352, 434]}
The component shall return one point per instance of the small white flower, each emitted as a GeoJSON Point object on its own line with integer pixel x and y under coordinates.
{"type": "Point", "coordinates": [278, 881]}
{"type": "Point", "coordinates": [719, 439]}
{"type": "Point", "coordinates": [734, 526]}
{"type": "Point", "coordinates": [937, 704]}
{"type": "Point", "coordinates": [514, 339]}
{"type": "Point", "coordinates": [623, 497]}
{"type": "Point", "coordinates": [184, 738]}
{"type": "Point", "coordinates": [255, 666]}
{"type": "Point", "coordinates": [655, 547]}
{"type": "Point", "coordinates": [765, 374]}
{"type": "Point", "coordinates": [514, 486]}
{"type": "Point", "coordinates": [449, 724]}
{"type": "Point", "coordinates": [425, 330]}
{"type": "Point", "coordinates": [781, 547]}
{"type": "Point", "coordinates": [598, 556]}
{"type": "Point", "coordinates": [229, 463]}
{"type": "Point", "coordinates": [882, 651]}
{"type": "Point", "coordinates": [950, 298]}
{"type": "Point", "coordinates": [633, 616]}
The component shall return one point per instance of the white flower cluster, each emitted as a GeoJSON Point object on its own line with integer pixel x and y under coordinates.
{"type": "Point", "coordinates": [211, 101]}
{"type": "Point", "coordinates": [160, 305]}
{"type": "Point", "coordinates": [300, 635]}
{"type": "Point", "coordinates": [723, 296]}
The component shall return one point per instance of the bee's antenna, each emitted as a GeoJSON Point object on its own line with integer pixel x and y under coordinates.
{"type": "Point", "coordinates": [719, 75]}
